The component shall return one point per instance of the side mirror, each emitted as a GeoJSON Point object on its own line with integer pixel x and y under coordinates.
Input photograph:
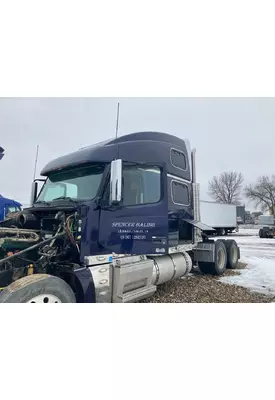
{"type": "Point", "coordinates": [34, 192]}
{"type": "Point", "coordinates": [116, 182]}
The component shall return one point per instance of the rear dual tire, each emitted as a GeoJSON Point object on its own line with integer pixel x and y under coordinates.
{"type": "Point", "coordinates": [233, 254]}
{"type": "Point", "coordinates": [219, 265]}
{"type": "Point", "coordinates": [226, 256]}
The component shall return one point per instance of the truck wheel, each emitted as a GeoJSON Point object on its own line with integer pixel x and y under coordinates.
{"type": "Point", "coordinates": [232, 254]}
{"type": "Point", "coordinates": [38, 288]}
{"type": "Point", "coordinates": [219, 266]}
{"type": "Point", "coordinates": [262, 234]}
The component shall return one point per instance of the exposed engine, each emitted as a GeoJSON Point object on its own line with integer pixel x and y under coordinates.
{"type": "Point", "coordinates": [38, 242]}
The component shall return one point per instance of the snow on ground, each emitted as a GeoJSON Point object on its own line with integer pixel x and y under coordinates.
{"type": "Point", "coordinates": [248, 232]}
{"type": "Point", "coordinates": [259, 276]}
{"type": "Point", "coordinates": [259, 255]}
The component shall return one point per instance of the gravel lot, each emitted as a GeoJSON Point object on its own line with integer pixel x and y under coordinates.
{"type": "Point", "coordinates": [200, 288]}
{"type": "Point", "coordinates": [252, 282]}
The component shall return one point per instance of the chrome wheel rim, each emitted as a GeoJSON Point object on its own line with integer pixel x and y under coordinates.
{"type": "Point", "coordinates": [45, 298]}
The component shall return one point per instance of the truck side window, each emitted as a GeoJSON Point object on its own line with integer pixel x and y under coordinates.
{"type": "Point", "coordinates": [141, 185]}
{"type": "Point", "coordinates": [180, 193]}
{"type": "Point", "coordinates": [178, 159]}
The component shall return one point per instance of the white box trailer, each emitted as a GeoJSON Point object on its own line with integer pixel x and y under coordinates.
{"type": "Point", "coordinates": [221, 217]}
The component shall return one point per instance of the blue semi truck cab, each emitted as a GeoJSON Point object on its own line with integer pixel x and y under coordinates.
{"type": "Point", "coordinates": [110, 223]}
{"type": "Point", "coordinates": [8, 206]}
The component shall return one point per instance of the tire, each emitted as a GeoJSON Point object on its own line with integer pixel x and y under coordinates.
{"type": "Point", "coordinates": [232, 250]}
{"type": "Point", "coordinates": [263, 234]}
{"type": "Point", "coordinates": [219, 265]}
{"type": "Point", "coordinates": [38, 288]}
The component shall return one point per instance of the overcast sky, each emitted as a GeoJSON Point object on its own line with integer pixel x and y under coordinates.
{"type": "Point", "coordinates": [228, 133]}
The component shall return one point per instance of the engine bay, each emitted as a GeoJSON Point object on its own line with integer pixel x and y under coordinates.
{"type": "Point", "coordinates": [38, 241]}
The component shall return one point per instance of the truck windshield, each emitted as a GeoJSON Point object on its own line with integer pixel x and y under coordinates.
{"type": "Point", "coordinates": [80, 183]}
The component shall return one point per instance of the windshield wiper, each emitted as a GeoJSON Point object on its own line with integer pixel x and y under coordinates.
{"type": "Point", "coordinates": [63, 198]}
{"type": "Point", "coordinates": [42, 202]}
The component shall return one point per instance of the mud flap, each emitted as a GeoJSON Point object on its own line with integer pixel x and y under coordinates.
{"type": "Point", "coordinates": [204, 252]}
{"type": "Point", "coordinates": [87, 283]}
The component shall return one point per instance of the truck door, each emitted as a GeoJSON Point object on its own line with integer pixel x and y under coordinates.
{"type": "Point", "coordinates": [139, 224]}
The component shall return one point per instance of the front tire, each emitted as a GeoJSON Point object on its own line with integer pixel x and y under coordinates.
{"type": "Point", "coordinates": [38, 288]}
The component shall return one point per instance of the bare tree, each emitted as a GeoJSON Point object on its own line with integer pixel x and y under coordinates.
{"type": "Point", "coordinates": [262, 193]}
{"type": "Point", "coordinates": [226, 188]}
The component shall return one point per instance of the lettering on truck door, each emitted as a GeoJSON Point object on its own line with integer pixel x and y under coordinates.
{"type": "Point", "coordinates": [139, 225]}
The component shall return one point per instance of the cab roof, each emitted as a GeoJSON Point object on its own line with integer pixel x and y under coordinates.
{"type": "Point", "coordinates": [133, 147]}
{"type": "Point", "coordinates": [6, 201]}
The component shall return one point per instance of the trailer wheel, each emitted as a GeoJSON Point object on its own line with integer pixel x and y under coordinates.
{"type": "Point", "coordinates": [219, 265]}
{"type": "Point", "coordinates": [38, 288]}
{"type": "Point", "coordinates": [232, 254]}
